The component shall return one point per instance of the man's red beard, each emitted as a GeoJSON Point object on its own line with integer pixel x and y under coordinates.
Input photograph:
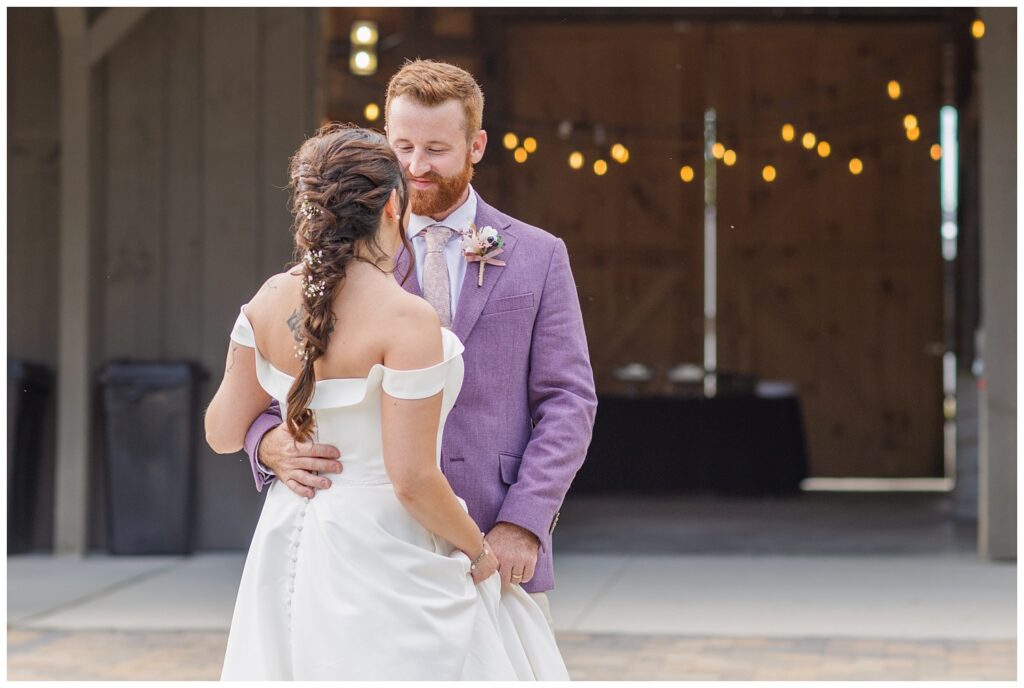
{"type": "Point", "coordinates": [445, 193]}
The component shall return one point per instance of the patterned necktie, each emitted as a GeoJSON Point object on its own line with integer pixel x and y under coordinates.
{"type": "Point", "coordinates": [436, 286]}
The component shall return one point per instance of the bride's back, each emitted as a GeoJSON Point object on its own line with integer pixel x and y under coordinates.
{"type": "Point", "coordinates": [364, 307]}
{"type": "Point", "coordinates": [346, 405]}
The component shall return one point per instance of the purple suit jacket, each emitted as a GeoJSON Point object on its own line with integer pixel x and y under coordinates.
{"type": "Point", "coordinates": [521, 426]}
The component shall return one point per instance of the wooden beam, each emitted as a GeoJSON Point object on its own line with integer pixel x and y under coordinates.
{"type": "Point", "coordinates": [997, 481]}
{"type": "Point", "coordinates": [74, 408]}
{"type": "Point", "coordinates": [113, 25]}
{"type": "Point", "coordinates": [71, 22]}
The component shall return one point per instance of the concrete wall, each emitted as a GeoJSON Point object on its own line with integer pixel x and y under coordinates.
{"type": "Point", "coordinates": [997, 58]}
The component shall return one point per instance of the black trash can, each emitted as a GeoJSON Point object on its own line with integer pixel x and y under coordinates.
{"type": "Point", "coordinates": [150, 412]}
{"type": "Point", "coordinates": [28, 394]}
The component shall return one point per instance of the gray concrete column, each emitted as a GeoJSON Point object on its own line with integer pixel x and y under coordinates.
{"type": "Point", "coordinates": [74, 406]}
{"type": "Point", "coordinates": [997, 84]}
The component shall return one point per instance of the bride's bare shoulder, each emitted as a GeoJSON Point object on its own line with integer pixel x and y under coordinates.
{"type": "Point", "coordinates": [287, 282]}
{"type": "Point", "coordinates": [412, 333]}
{"type": "Point", "coordinates": [283, 287]}
{"type": "Point", "coordinates": [403, 306]}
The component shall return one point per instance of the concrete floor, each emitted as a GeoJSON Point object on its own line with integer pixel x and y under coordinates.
{"type": "Point", "coordinates": [802, 576]}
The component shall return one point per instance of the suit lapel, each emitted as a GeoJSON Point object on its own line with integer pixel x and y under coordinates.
{"type": "Point", "coordinates": [472, 298]}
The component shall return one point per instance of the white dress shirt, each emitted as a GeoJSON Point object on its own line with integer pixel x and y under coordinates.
{"type": "Point", "coordinates": [459, 220]}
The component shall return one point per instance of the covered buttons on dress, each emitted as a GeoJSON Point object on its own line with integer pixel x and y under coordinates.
{"type": "Point", "coordinates": [293, 549]}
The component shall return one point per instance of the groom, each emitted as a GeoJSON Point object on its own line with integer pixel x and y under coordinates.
{"type": "Point", "coordinates": [521, 426]}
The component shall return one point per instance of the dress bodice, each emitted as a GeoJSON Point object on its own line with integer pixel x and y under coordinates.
{"type": "Point", "coordinates": [346, 411]}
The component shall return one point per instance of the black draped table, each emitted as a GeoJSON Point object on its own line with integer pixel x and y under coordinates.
{"type": "Point", "coordinates": [737, 445]}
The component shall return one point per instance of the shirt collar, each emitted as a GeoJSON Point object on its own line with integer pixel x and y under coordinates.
{"type": "Point", "coordinates": [459, 219]}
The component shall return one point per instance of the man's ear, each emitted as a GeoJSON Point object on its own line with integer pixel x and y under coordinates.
{"type": "Point", "coordinates": [477, 146]}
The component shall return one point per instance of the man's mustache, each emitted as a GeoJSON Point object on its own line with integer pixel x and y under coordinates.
{"type": "Point", "coordinates": [429, 176]}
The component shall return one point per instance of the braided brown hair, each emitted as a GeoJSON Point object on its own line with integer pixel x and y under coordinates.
{"type": "Point", "coordinates": [341, 179]}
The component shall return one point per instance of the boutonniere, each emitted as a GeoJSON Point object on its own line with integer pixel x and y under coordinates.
{"type": "Point", "coordinates": [481, 246]}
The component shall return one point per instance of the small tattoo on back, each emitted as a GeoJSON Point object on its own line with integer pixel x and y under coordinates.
{"type": "Point", "coordinates": [293, 324]}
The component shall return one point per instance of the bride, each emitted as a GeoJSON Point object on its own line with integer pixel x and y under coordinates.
{"type": "Point", "coordinates": [385, 575]}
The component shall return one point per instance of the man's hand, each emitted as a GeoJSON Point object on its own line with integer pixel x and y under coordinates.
{"type": "Point", "coordinates": [516, 549]}
{"type": "Point", "coordinates": [297, 464]}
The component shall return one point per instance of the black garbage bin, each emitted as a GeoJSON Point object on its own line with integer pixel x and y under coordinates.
{"type": "Point", "coordinates": [28, 393]}
{"type": "Point", "coordinates": [150, 411]}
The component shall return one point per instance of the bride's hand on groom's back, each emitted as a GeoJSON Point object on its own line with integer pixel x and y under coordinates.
{"type": "Point", "coordinates": [296, 464]}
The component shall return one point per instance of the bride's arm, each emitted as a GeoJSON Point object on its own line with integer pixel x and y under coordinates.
{"type": "Point", "coordinates": [409, 430]}
{"type": "Point", "coordinates": [238, 401]}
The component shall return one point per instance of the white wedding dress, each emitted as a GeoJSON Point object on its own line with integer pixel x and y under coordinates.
{"type": "Point", "coordinates": [348, 585]}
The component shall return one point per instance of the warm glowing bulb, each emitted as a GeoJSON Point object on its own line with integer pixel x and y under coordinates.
{"type": "Point", "coordinates": [824, 149]}
{"type": "Point", "coordinates": [808, 140]}
{"type": "Point", "coordinates": [788, 132]}
{"type": "Point", "coordinates": [686, 173]}
{"type": "Point", "coordinates": [909, 122]}
{"type": "Point", "coordinates": [856, 166]}
{"type": "Point", "coordinates": [520, 155]}
{"type": "Point", "coordinates": [718, 150]}
{"type": "Point", "coordinates": [600, 167]}
{"type": "Point", "coordinates": [576, 160]}
{"type": "Point", "coordinates": [894, 89]}
{"type": "Point", "coordinates": [768, 173]}
{"type": "Point", "coordinates": [530, 144]}
{"type": "Point", "coordinates": [620, 153]}
{"type": "Point", "coordinates": [913, 133]}
{"type": "Point", "coordinates": [729, 158]}
{"type": "Point", "coordinates": [363, 33]}
{"type": "Point", "coordinates": [510, 141]}
{"type": "Point", "coordinates": [936, 151]}
{"type": "Point", "coordinates": [371, 112]}
{"type": "Point", "coordinates": [977, 28]}
{"type": "Point", "coordinates": [363, 62]}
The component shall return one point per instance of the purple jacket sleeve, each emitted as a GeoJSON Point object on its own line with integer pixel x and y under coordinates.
{"type": "Point", "coordinates": [563, 404]}
{"type": "Point", "coordinates": [267, 421]}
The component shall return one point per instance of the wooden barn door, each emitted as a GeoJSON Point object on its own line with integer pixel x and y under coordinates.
{"type": "Point", "coordinates": [830, 280]}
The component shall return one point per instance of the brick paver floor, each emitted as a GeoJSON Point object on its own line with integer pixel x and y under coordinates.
{"type": "Point", "coordinates": [99, 655]}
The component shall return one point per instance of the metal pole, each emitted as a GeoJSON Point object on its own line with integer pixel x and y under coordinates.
{"type": "Point", "coordinates": [949, 230]}
{"type": "Point", "coordinates": [710, 256]}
